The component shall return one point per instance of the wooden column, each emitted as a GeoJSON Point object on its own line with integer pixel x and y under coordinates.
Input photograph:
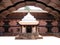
{"type": "Point", "coordinates": [23, 29]}
{"type": "Point", "coordinates": [33, 29]}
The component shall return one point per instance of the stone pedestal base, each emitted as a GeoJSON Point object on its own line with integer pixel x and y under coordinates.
{"type": "Point", "coordinates": [28, 36]}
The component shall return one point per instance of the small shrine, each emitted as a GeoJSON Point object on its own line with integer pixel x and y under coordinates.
{"type": "Point", "coordinates": [29, 28]}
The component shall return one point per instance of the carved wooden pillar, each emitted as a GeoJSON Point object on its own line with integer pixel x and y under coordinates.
{"type": "Point", "coordinates": [59, 25]}
{"type": "Point", "coordinates": [6, 25]}
{"type": "Point", "coordinates": [33, 29]}
{"type": "Point", "coordinates": [49, 26]}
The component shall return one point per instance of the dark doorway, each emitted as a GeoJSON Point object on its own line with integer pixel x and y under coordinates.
{"type": "Point", "coordinates": [28, 29]}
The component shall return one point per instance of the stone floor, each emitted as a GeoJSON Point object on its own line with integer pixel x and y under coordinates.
{"type": "Point", "coordinates": [47, 40]}
{"type": "Point", "coordinates": [43, 34]}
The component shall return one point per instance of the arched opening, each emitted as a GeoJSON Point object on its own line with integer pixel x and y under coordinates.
{"type": "Point", "coordinates": [48, 18]}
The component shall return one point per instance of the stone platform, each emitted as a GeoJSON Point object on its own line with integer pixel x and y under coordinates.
{"type": "Point", "coordinates": [29, 36]}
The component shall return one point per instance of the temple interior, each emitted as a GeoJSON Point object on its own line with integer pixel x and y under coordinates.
{"type": "Point", "coordinates": [49, 21]}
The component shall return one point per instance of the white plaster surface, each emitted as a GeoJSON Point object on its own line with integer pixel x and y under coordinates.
{"type": "Point", "coordinates": [47, 40]}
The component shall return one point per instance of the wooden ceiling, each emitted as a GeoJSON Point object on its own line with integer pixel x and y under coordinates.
{"type": "Point", "coordinates": [7, 6]}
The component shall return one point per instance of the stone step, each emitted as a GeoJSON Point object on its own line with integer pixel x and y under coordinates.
{"type": "Point", "coordinates": [28, 36]}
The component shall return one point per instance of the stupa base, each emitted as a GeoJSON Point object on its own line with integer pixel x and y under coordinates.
{"type": "Point", "coordinates": [28, 36]}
